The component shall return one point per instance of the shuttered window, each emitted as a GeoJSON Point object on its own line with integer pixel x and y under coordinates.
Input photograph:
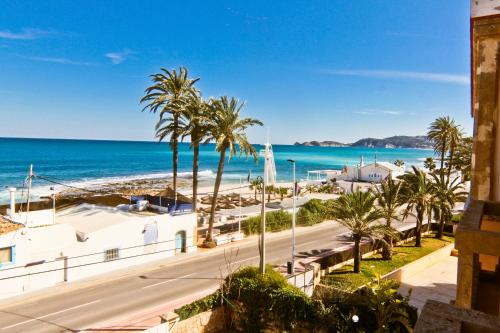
{"type": "Point", "coordinates": [5, 255]}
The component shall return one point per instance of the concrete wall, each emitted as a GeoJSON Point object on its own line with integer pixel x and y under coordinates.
{"type": "Point", "coordinates": [49, 255]}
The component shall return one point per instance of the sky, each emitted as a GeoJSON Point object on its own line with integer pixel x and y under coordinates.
{"type": "Point", "coordinates": [310, 70]}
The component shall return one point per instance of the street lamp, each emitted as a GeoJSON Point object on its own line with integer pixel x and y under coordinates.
{"type": "Point", "coordinates": [294, 189]}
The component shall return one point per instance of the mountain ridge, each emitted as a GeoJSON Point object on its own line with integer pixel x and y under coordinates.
{"type": "Point", "coordinates": [397, 141]}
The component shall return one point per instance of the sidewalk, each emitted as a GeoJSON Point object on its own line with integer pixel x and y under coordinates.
{"type": "Point", "coordinates": [437, 282]}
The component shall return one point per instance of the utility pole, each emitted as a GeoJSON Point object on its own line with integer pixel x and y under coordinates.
{"type": "Point", "coordinates": [239, 217]}
{"type": "Point", "coordinates": [294, 189]}
{"type": "Point", "coordinates": [30, 178]}
{"type": "Point", "coordinates": [262, 265]}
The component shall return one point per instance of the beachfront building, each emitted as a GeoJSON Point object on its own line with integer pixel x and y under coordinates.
{"type": "Point", "coordinates": [374, 173]}
{"type": "Point", "coordinates": [83, 240]}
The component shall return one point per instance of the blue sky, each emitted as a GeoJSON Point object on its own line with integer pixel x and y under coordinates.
{"type": "Point", "coordinates": [311, 70]}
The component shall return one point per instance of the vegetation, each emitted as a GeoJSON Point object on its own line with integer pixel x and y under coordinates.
{"type": "Point", "coordinates": [399, 163]}
{"type": "Point", "coordinates": [314, 211]}
{"type": "Point", "coordinates": [168, 96]}
{"type": "Point", "coordinates": [228, 130]}
{"type": "Point", "coordinates": [255, 303]}
{"type": "Point", "coordinates": [357, 212]}
{"type": "Point", "coordinates": [463, 156]}
{"type": "Point", "coordinates": [344, 279]}
{"type": "Point", "coordinates": [275, 221]}
{"type": "Point", "coordinates": [281, 191]}
{"type": "Point", "coordinates": [378, 308]}
{"type": "Point", "coordinates": [417, 193]}
{"type": "Point", "coordinates": [389, 201]}
{"type": "Point", "coordinates": [256, 185]}
{"type": "Point", "coordinates": [429, 164]}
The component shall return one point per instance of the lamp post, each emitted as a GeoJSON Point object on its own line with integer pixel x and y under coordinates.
{"type": "Point", "coordinates": [262, 243]}
{"type": "Point", "coordinates": [294, 189]}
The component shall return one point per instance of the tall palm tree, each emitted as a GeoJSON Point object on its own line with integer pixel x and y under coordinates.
{"type": "Point", "coordinates": [357, 212]}
{"type": "Point", "coordinates": [399, 163]}
{"type": "Point", "coordinates": [463, 158]}
{"type": "Point", "coordinates": [417, 192]}
{"type": "Point", "coordinates": [444, 133]}
{"type": "Point", "coordinates": [167, 96]}
{"type": "Point", "coordinates": [389, 202]}
{"type": "Point", "coordinates": [228, 130]}
{"type": "Point", "coordinates": [447, 194]}
{"type": "Point", "coordinates": [195, 125]}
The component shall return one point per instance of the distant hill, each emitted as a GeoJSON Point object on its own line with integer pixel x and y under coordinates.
{"type": "Point", "coordinates": [399, 141]}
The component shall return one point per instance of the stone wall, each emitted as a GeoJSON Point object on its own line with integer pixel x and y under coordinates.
{"type": "Point", "coordinates": [205, 322]}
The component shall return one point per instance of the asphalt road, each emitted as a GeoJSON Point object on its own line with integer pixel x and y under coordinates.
{"type": "Point", "coordinates": [88, 305]}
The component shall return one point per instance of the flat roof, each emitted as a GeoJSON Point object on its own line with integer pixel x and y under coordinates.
{"type": "Point", "coordinates": [87, 218]}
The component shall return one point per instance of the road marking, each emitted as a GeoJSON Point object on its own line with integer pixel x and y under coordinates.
{"type": "Point", "coordinates": [243, 260]}
{"type": "Point", "coordinates": [50, 314]}
{"type": "Point", "coordinates": [171, 280]}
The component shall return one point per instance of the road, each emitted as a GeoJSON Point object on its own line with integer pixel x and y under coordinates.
{"type": "Point", "coordinates": [72, 309]}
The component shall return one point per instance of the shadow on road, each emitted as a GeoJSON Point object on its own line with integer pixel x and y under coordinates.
{"type": "Point", "coordinates": [66, 329]}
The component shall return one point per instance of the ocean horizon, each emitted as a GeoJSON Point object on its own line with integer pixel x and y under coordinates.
{"type": "Point", "coordinates": [79, 162]}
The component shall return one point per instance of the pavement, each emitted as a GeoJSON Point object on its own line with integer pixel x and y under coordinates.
{"type": "Point", "coordinates": [437, 282]}
{"type": "Point", "coordinates": [100, 303]}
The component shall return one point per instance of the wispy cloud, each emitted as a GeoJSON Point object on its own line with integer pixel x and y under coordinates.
{"type": "Point", "coordinates": [390, 74]}
{"type": "Point", "coordinates": [62, 61]}
{"type": "Point", "coordinates": [373, 112]}
{"type": "Point", "coordinates": [118, 57]}
{"type": "Point", "coordinates": [25, 34]}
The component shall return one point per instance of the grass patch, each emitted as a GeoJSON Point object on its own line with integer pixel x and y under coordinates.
{"type": "Point", "coordinates": [374, 266]}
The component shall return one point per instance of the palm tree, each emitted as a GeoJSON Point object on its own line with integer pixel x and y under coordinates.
{"type": "Point", "coordinates": [463, 158]}
{"type": "Point", "coordinates": [447, 194]}
{"type": "Point", "coordinates": [256, 185]}
{"type": "Point", "coordinates": [281, 191]}
{"type": "Point", "coordinates": [444, 133]}
{"type": "Point", "coordinates": [389, 201]}
{"type": "Point", "coordinates": [167, 96]}
{"type": "Point", "coordinates": [399, 163]}
{"type": "Point", "coordinates": [228, 130]}
{"type": "Point", "coordinates": [430, 164]}
{"type": "Point", "coordinates": [357, 212]}
{"type": "Point", "coordinates": [269, 191]}
{"type": "Point", "coordinates": [195, 114]}
{"type": "Point", "coordinates": [416, 192]}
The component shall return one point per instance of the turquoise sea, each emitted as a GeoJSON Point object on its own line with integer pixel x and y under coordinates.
{"type": "Point", "coordinates": [81, 162]}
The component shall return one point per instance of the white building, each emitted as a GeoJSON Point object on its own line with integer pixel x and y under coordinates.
{"type": "Point", "coordinates": [375, 172]}
{"type": "Point", "coordinates": [87, 240]}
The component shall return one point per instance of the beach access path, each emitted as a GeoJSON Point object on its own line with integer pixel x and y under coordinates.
{"type": "Point", "coordinates": [94, 304]}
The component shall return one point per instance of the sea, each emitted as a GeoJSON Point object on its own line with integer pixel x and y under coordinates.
{"type": "Point", "coordinates": [81, 163]}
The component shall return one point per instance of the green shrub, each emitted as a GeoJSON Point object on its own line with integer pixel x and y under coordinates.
{"type": "Point", "coordinates": [258, 302]}
{"type": "Point", "coordinates": [379, 307]}
{"type": "Point", "coordinates": [275, 221]}
{"type": "Point", "coordinates": [203, 304]}
{"type": "Point", "coordinates": [457, 218]}
{"type": "Point", "coordinates": [314, 211]}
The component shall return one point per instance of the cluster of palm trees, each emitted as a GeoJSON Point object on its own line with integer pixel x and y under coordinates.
{"type": "Point", "coordinates": [423, 195]}
{"type": "Point", "coordinates": [184, 113]}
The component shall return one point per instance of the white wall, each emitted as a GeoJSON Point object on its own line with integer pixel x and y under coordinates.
{"type": "Point", "coordinates": [62, 258]}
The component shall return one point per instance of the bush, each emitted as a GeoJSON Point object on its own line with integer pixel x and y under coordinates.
{"type": "Point", "coordinates": [378, 307]}
{"type": "Point", "coordinates": [314, 211]}
{"type": "Point", "coordinates": [275, 221]}
{"type": "Point", "coordinates": [203, 304]}
{"type": "Point", "coordinates": [259, 302]}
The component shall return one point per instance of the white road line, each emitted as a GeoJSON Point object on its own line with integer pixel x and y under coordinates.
{"type": "Point", "coordinates": [172, 280]}
{"type": "Point", "coordinates": [243, 260]}
{"type": "Point", "coordinates": [50, 314]}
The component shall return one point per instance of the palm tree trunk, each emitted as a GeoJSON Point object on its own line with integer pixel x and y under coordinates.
{"type": "Point", "coordinates": [175, 152]}
{"type": "Point", "coordinates": [441, 170]}
{"type": "Point", "coordinates": [450, 162]}
{"type": "Point", "coordinates": [196, 153]}
{"type": "Point", "coordinates": [218, 179]}
{"type": "Point", "coordinates": [418, 230]}
{"type": "Point", "coordinates": [357, 253]}
{"type": "Point", "coordinates": [255, 193]}
{"type": "Point", "coordinates": [442, 220]}
{"type": "Point", "coordinates": [387, 248]}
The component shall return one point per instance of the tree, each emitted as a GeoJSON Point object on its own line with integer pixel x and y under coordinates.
{"type": "Point", "coordinates": [399, 163]}
{"type": "Point", "coordinates": [256, 185]}
{"type": "Point", "coordinates": [167, 96]}
{"type": "Point", "coordinates": [194, 124]}
{"type": "Point", "coordinates": [446, 194]}
{"type": "Point", "coordinates": [281, 191]}
{"type": "Point", "coordinates": [444, 134]}
{"type": "Point", "coordinates": [357, 212]}
{"type": "Point", "coordinates": [228, 130]}
{"type": "Point", "coordinates": [463, 157]}
{"type": "Point", "coordinates": [416, 192]}
{"type": "Point", "coordinates": [269, 191]}
{"type": "Point", "coordinates": [429, 164]}
{"type": "Point", "coordinates": [389, 202]}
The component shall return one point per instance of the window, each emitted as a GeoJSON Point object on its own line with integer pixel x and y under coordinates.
{"type": "Point", "coordinates": [111, 254]}
{"type": "Point", "coordinates": [6, 255]}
